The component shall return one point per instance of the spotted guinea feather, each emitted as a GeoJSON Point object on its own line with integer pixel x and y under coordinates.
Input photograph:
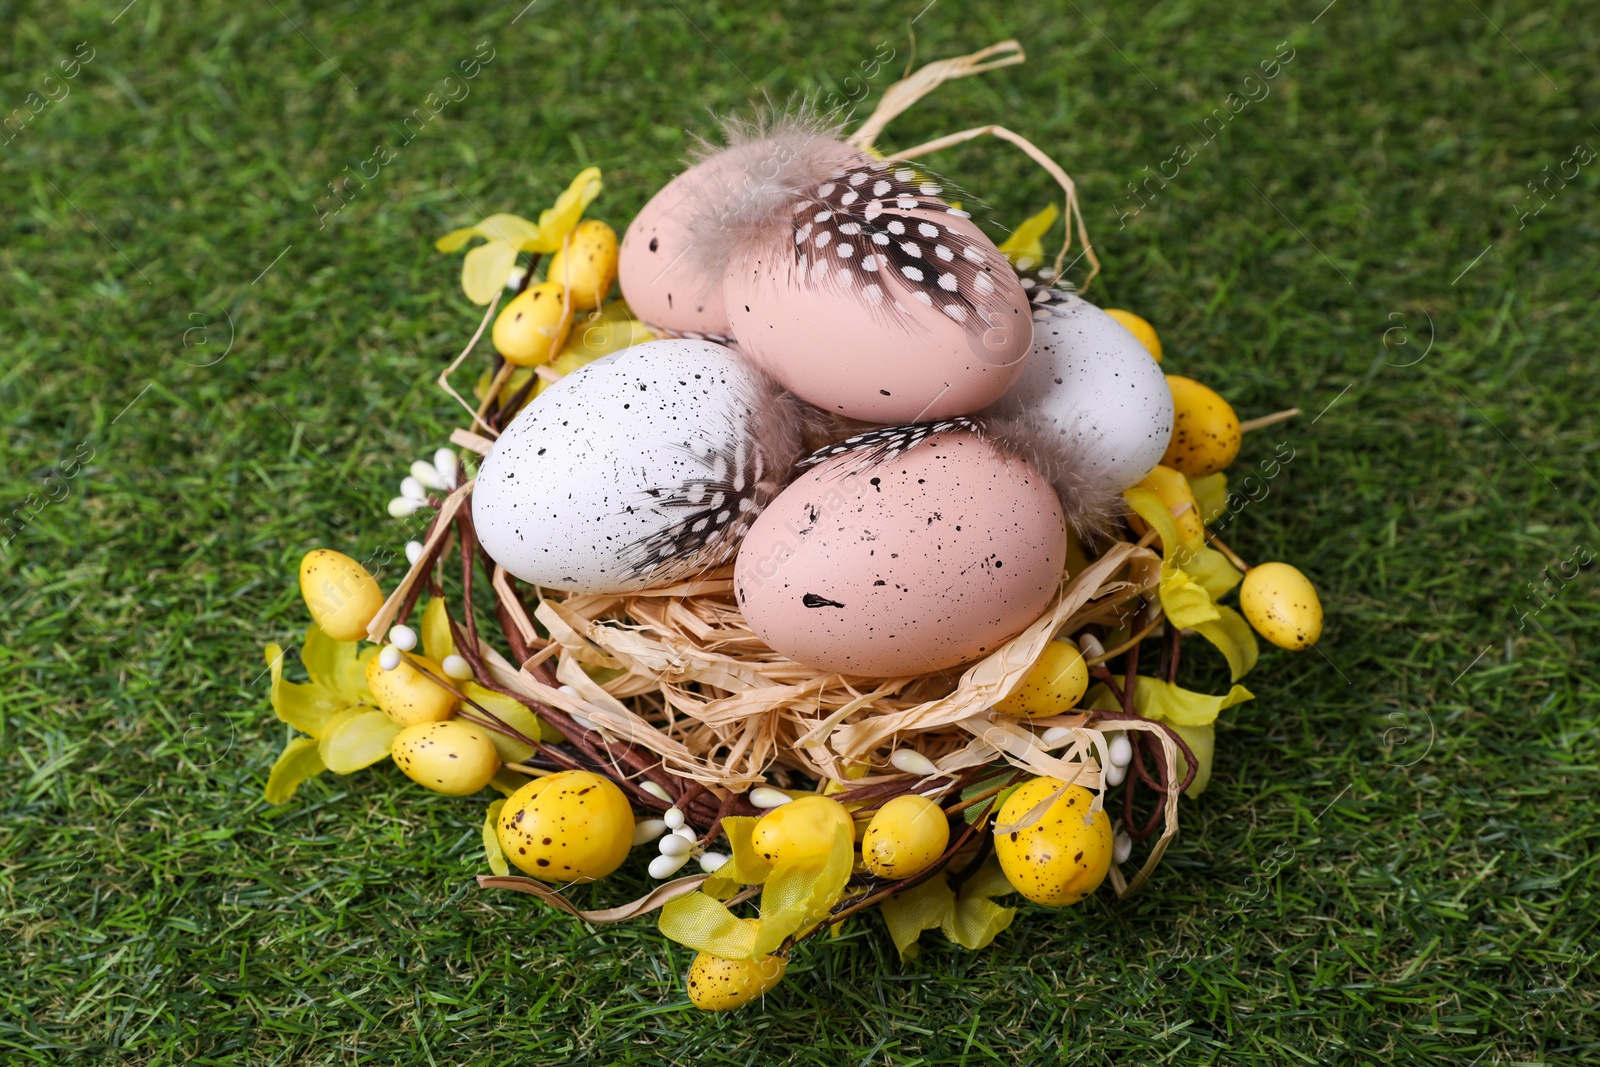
{"type": "Point", "coordinates": [745, 464]}
{"type": "Point", "coordinates": [878, 231]}
{"type": "Point", "coordinates": [884, 443]}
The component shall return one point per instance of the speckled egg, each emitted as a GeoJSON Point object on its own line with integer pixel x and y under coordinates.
{"type": "Point", "coordinates": [644, 466]}
{"type": "Point", "coordinates": [571, 826]}
{"type": "Point", "coordinates": [905, 563]}
{"type": "Point", "coordinates": [1061, 857]}
{"type": "Point", "coordinates": [659, 277]}
{"type": "Point", "coordinates": [1096, 389]}
{"type": "Point", "coordinates": [882, 303]}
{"type": "Point", "coordinates": [452, 757]}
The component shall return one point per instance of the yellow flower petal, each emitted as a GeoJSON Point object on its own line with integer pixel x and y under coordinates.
{"type": "Point", "coordinates": [1163, 701]}
{"type": "Point", "coordinates": [485, 270]}
{"type": "Point", "coordinates": [1210, 495]}
{"type": "Point", "coordinates": [305, 707]}
{"type": "Point", "coordinates": [1185, 601]}
{"type": "Point", "coordinates": [357, 738]}
{"type": "Point", "coordinates": [1234, 639]}
{"type": "Point", "coordinates": [1027, 240]}
{"type": "Point", "coordinates": [437, 639]}
{"type": "Point", "coordinates": [492, 851]}
{"type": "Point", "coordinates": [556, 222]}
{"type": "Point", "coordinates": [706, 925]}
{"type": "Point", "coordinates": [799, 894]}
{"type": "Point", "coordinates": [299, 761]}
{"type": "Point", "coordinates": [338, 666]}
{"type": "Point", "coordinates": [923, 907]}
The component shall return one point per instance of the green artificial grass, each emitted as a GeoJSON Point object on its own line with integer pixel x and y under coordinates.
{"type": "Point", "coordinates": [209, 370]}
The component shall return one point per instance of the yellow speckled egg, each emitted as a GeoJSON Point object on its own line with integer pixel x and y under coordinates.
{"type": "Point", "coordinates": [904, 837]}
{"type": "Point", "coordinates": [1173, 490]}
{"type": "Point", "coordinates": [1065, 854]}
{"type": "Point", "coordinates": [1054, 686]}
{"type": "Point", "coordinates": [1282, 605]}
{"type": "Point", "coordinates": [716, 984]}
{"type": "Point", "coordinates": [340, 594]}
{"type": "Point", "coordinates": [451, 757]}
{"type": "Point", "coordinates": [572, 826]}
{"type": "Point", "coordinates": [586, 264]}
{"type": "Point", "coordinates": [800, 830]}
{"type": "Point", "coordinates": [1141, 329]}
{"type": "Point", "coordinates": [1205, 431]}
{"type": "Point", "coordinates": [531, 329]}
{"type": "Point", "coordinates": [407, 695]}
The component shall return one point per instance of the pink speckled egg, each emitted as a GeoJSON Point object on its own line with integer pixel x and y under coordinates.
{"type": "Point", "coordinates": [659, 278]}
{"type": "Point", "coordinates": [881, 302]}
{"type": "Point", "coordinates": [904, 565]}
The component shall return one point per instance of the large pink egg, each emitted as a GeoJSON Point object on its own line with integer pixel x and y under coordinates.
{"type": "Point", "coordinates": [909, 565]}
{"type": "Point", "coordinates": [890, 308]}
{"type": "Point", "coordinates": [659, 278]}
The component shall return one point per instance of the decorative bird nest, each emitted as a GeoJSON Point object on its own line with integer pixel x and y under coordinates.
{"type": "Point", "coordinates": [670, 695]}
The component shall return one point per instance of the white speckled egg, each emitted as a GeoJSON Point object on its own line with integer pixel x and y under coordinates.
{"type": "Point", "coordinates": [903, 565]}
{"type": "Point", "coordinates": [1096, 388]}
{"type": "Point", "coordinates": [879, 301]}
{"type": "Point", "coordinates": [643, 467]}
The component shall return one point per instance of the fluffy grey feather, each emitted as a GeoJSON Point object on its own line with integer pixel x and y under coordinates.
{"type": "Point", "coordinates": [1065, 458]}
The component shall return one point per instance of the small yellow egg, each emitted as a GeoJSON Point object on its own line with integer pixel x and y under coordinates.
{"type": "Point", "coordinates": [533, 326]}
{"type": "Point", "coordinates": [1141, 329]}
{"type": "Point", "coordinates": [1205, 431]}
{"type": "Point", "coordinates": [340, 594]}
{"type": "Point", "coordinates": [586, 264]}
{"type": "Point", "coordinates": [1172, 489]}
{"type": "Point", "coordinates": [1064, 855]}
{"type": "Point", "coordinates": [800, 830]}
{"type": "Point", "coordinates": [452, 757]}
{"type": "Point", "coordinates": [1282, 605]}
{"type": "Point", "coordinates": [407, 695]}
{"type": "Point", "coordinates": [1054, 685]}
{"type": "Point", "coordinates": [572, 826]}
{"type": "Point", "coordinates": [905, 836]}
{"type": "Point", "coordinates": [716, 984]}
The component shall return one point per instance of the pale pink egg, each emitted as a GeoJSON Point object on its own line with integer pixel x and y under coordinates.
{"type": "Point", "coordinates": [660, 279]}
{"type": "Point", "coordinates": [914, 316]}
{"type": "Point", "coordinates": [915, 563]}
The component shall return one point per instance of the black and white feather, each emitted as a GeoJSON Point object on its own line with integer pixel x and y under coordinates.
{"type": "Point", "coordinates": [876, 230]}
{"type": "Point", "coordinates": [742, 466]}
{"type": "Point", "coordinates": [885, 443]}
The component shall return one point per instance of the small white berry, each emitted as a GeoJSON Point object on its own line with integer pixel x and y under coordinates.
{"type": "Point", "coordinates": [413, 552]}
{"type": "Point", "coordinates": [656, 791]}
{"type": "Point", "coordinates": [673, 845]}
{"type": "Point", "coordinates": [667, 866]}
{"type": "Point", "coordinates": [403, 637]}
{"type": "Point", "coordinates": [1114, 775]}
{"type": "Point", "coordinates": [456, 667]}
{"type": "Point", "coordinates": [1056, 736]}
{"type": "Point", "coordinates": [427, 474]}
{"type": "Point", "coordinates": [402, 506]}
{"type": "Point", "coordinates": [648, 830]}
{"type": "Point", "coordinates": [448, 466]}
{"type": "Point", "coordinates": [412, 489]}
{"type": "Point", "coordinates": [514, 279]}
{"type": "Point", "coordinates": [1122, 848]}
{"type": "Point", "coordinates": [687, 833]}
{"type": "Point", "coordinates": [673, 818]}
{"type": "Point", "coordinates": [389, 658]}
{"type": "Point", "coordinates": [1121, 749]}
{"type": "Point", "coordinates": [1091, 646]}
{"type": "Point", "coordinates": [910, 761]}
{"type": "Point", "coordinates": [764, 796]}
{"type": "Point", "coordinates": [711, 862]}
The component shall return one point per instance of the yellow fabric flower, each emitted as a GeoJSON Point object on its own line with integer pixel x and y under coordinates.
{"type": "Point", "coordinates": [486, 268]}
{"type": "Point", "coordinates": [1025, 246]}
{"type": "Point", "coordinates": [1193, 577]}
